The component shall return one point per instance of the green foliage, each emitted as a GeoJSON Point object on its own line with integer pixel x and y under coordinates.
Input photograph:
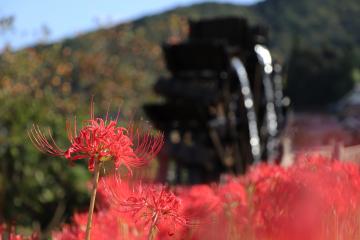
{"type": "Point", "coordinates": [318, 76]}
{"type": "Point", "coordinates": [33, 186]}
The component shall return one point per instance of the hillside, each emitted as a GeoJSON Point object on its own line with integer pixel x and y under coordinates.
{"type": "Point", "coordinates": [107, 61]}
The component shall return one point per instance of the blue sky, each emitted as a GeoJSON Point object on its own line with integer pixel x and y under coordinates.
{"type": "Point", "coordinates": [65, 18]}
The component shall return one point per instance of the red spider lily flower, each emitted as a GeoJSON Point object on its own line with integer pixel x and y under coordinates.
{"type": "Point", "coordinates": [150, 206]}
{"type": "Point", "coordinates": [107, 225]}
{"type": "Point", "coordinates": [102, 140]}
{"type": "Point", "coordinates": [200, 202]}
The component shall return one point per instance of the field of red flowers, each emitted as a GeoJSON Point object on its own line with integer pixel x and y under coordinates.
{"type": "Point", "coordinates": [316, 198]}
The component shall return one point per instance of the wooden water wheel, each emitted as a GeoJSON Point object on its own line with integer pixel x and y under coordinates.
{"type": "Point", "coordinates": [220, 110]}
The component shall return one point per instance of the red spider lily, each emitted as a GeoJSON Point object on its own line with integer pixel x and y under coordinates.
{"type": "Point", "coordinates": [107, 225]}
{"type": "Point", "coordinates": [200, 202]}
{"type": "Point", "coordinates": [150, 206]}
{"type": "Point", "coordinates": [235, 204]}
{"type": "Point", "coordinates": [102, 140]}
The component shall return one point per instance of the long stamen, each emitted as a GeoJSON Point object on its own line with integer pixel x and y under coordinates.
{"type": "Point", "coordinates": [146, 144]}
{"type": "Point", "coordinates": [42, 143]}
{"type": "Point", "coordinates": [92, 112]}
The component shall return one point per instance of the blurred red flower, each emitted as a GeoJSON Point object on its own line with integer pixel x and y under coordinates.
{"type": "Point", "coordinates": [150, 206]}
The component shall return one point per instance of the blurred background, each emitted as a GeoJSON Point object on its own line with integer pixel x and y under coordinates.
{"type": "Point", "coordinates": [54, 56]}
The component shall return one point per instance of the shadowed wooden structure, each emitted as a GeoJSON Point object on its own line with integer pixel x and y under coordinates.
{"type": "Point", "coordinates": [223, 102]}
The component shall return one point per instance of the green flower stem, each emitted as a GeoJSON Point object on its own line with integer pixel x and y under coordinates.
{"type": "Point", "coordinates": [92, 200]}
{"type": "Point", "coordinates": [152, 230]}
